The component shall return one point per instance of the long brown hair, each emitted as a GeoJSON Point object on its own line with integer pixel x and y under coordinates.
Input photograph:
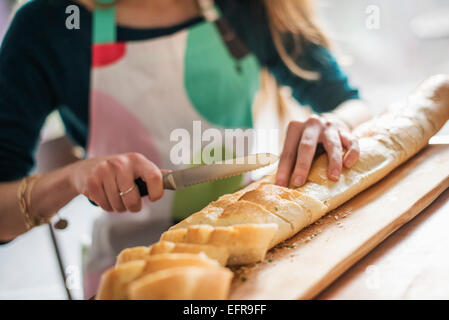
{"type": "Point", "coordinates": [294, 20]}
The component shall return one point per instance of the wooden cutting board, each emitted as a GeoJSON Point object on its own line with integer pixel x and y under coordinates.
{"type": "Point", "coordinates": [306, 264]}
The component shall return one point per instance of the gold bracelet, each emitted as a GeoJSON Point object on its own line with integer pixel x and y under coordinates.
{"type": "Point", "coordinates": [24, 198]}
{"type": "Point", "coordinates": [22, 203]}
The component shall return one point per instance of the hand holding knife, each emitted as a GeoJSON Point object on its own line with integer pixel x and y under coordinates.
{"type": "Point", "coordinates": [177, 180]}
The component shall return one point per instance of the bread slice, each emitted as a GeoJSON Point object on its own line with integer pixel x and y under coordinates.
{"type": "Point", "coordinates": [163, 261]}
{"type": "Point", "coordinates": [219, 253]}
{"type": "Point", "coordinates": [246, 243]}
{"type": "Point", "coordinates": [114, 281]}
{"type": "Point", "coordinates": [132, 254]}
{"type": "Point", "coordinates": [183, 283]}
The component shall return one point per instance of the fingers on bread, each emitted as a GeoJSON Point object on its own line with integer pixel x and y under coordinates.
{"type": "Point", "coordinates": [385, 142]}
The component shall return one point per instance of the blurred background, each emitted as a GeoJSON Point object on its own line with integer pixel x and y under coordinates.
{"type": "Point", "coordinates": [387, 48]}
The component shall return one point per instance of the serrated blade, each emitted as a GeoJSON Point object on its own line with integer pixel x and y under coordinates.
{"type": "Point", "coordinates": [219, 170]}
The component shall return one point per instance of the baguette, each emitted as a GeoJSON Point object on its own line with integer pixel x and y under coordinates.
{"type": "Point", "coordinates": [385, 142]}
{"type": "Point", "coordinates": [239, 228]}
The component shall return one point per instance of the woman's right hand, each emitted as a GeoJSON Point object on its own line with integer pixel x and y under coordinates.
{"type": "Point", "coordinates": [103, 179]}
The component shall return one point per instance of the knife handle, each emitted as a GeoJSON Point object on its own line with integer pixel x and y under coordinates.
{"type": "Point", "coordinates": [142, 186]}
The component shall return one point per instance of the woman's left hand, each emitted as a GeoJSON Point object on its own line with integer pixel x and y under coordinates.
{"type": "Point", "coordinates": [301, 143]}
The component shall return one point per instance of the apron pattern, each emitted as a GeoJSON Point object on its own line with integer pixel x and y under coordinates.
{"type": "Point", "coordinates": [107, 54]}
{"type": "Point", "coordinates": [220, 87]}
{"type": "Point", "coordinates": [123, 133]}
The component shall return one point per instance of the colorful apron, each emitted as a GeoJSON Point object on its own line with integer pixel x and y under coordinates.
{"type": "Point", "coordinates": [141, 92]}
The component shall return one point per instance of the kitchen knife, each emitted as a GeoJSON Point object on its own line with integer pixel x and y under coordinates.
{"type": "Point", "coordinates": [176, 180]}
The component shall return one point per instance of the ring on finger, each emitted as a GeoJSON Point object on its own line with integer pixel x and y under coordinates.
{"type": "Point", "coordinates": [121, 194]}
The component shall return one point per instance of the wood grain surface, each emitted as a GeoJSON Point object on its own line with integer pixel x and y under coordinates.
{"type": "Point", "coordinates": [412, 263]}
{"type": "Point", "coordinates": [309, 262]}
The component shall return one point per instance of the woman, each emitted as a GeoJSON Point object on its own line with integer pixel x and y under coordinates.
{"type": "Point", "coordinates": [135, 71]}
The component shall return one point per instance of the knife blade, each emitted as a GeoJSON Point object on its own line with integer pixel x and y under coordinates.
{"type": "Point", "coordinates": [176, 180]}
{"type": "Point", "coordinates": [180, 179]}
